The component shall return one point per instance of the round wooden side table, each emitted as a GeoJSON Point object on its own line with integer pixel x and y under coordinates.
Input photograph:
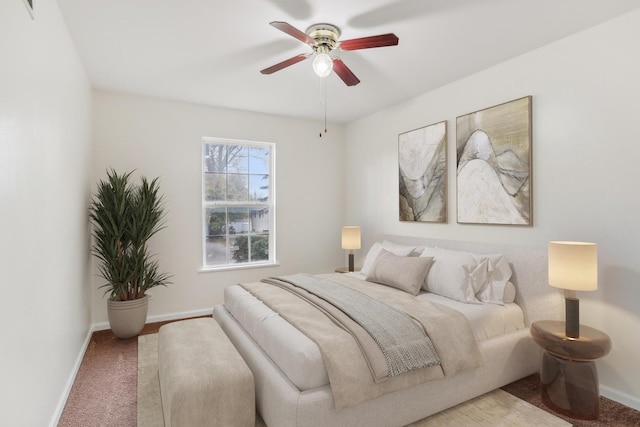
{"type": "Point", "coordinates": [568, 375]}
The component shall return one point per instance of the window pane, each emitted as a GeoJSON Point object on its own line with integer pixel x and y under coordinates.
{"type": "Point", "coordinates": [260, 220]}
{"type": "Point", "coordinates": [216, 251]}
{"type": "Point", "coordinates": [215, 186]}
{"type": "Point", "coordinates": [237, 159]}
{"type": "Point", "coordinates": [238, 245]}
{"type": "Point", "coordinates": [259, 247]}
{"type": "Point", "coordinates": [259, 161]}
{"type": "Point", "coordinates": [238, 220]}
{"type": "Point", "coordinates": [259, 188]}
{"type": "Point", "coordinates": [216, 222]}
{"type": "Point", "coordinates": [215, 157]}
{"type": "Point", "coordinates": [238, 188]}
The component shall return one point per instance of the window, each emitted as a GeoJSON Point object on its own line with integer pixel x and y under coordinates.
{"type": "Point", "coordinates": [238, 207]}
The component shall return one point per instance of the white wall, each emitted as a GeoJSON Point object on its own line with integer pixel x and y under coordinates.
{"type": "Point", "coordinates": [45, 142]}
{"type": "Point", "coordinates": [164, 138]}
{"type": "Point", "coordinates": [586, 146]}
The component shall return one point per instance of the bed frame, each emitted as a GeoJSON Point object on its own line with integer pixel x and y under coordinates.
{"type": "Point", "coordinates": [506, 358]}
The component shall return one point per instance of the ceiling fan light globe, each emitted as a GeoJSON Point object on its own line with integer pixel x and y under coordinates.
{"type": "Point", "coordinates": [322, 65]}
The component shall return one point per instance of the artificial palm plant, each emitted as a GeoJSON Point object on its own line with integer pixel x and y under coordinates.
{"type": "Point", "coordinates": [124, 217]}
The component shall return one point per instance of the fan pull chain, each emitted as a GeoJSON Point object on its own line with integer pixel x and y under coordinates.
{"type": "Point", "coordinates": [323, 94]}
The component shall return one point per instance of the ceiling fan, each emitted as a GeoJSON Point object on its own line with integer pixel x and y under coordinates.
{"type": "Point", "coordinates": [323, 39]}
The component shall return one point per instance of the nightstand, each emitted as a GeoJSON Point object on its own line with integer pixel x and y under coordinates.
{"type": "Point", "coordinates": [568, 375]}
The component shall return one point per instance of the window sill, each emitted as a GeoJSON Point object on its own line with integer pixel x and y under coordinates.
{"type": "Point", "coordinates": [238, 267]}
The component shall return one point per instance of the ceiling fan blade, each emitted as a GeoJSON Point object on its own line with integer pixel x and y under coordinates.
{"type": "Point", "coordinates": [293, 31]}
{"type": "Point", "coordinates": [368, 42]}
{"type": "Point", "coordinates": [284, 64]}
{"type": "Point", "coordinates": [344, 72]}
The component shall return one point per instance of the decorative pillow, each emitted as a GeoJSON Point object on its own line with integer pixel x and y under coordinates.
{"type": "Point", "coordinates": [495, 289]}
{"type": "Point", "coordinates": [509, 293]}
{"type": "Point", "coordinates": [400, 272]}
{"type": "Point", "coordinates": [455, 274]}
{"type": "Point", "coordinates": [370, 259]}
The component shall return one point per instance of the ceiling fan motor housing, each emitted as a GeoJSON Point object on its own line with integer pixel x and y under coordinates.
{"type": "Point", "coordinates": [325, 35]}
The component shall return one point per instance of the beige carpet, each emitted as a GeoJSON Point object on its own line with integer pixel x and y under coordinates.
{"type": "Point", "coordinates": [494, 409]}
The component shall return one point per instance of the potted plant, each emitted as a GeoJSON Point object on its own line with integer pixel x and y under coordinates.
{"type": "Point", "coordinates": [124, 217]}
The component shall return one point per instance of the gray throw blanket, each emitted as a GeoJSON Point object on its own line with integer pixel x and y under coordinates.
{"type": "Point", "coordinates": [403, 343]}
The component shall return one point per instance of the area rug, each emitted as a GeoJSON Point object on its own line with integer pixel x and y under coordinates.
{"type": "Point", "coordinates": [494, 409]}
{"type": "Point", "coordinates": [149, 402]}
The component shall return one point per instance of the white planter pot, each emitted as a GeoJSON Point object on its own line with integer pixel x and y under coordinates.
{"type": "Point", "coordinates": [127, 318]}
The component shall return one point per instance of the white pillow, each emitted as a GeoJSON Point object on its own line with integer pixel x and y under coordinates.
{"type": "Point", "coordinates": [495, 289]}
{"type": "Point", "coordinates": [400, 272]}
{"type": "Point", "coordinates": [374, 251]}
{"type": "Point", "coordinates": [455, 274]}
{"type": "Point", "coordinates": [399, 249]}
{"type": "Point", "coordinates": [460, 273]}
{"type": "Point", "coordinates": [509, 293]}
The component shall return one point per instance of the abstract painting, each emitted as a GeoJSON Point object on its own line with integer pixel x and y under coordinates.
{"type": "Point", "coordinates": [493, 172]}
{"type": "Point", "coordinates": [422, 164]}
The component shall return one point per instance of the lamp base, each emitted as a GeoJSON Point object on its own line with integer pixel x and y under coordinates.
{"type": "Point", "coordinates": [351, 263]}
{"type": "Point", "coordinates": [572, 316]}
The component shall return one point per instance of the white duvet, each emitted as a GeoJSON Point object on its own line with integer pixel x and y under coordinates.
{"type": "Point", "coordinates": [299, 358]}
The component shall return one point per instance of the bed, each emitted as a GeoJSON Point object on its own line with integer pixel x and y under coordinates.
{"type": "Point", "coordinates": [292, 381]}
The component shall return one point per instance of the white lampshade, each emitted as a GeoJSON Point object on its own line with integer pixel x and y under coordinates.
{"type": "Point", "coordinates": [573, 265]}
{"type": "Point", "coordinates": [350, 237]}
{"type": "Point", "coordinates": [322, 64]}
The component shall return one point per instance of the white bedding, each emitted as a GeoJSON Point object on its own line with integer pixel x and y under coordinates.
{"type": "Point", "coordinates": [506, 358]}
{"type": "Point", "coordinates": [299, 358]}
{"type": "Point", "coordinates": [295, 354]}
{"type": "Point", "coordinates": [487, 320]}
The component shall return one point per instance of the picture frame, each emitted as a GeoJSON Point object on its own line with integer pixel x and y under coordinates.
{"type": "Point", "coordinates": [493, 167]}
{"type": "Point", "coordinates": [422, 173]}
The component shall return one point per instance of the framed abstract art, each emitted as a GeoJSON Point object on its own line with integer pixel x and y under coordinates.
{"type": "Point", "coordinates": [493, 168]}
{"type": "Point", "coordinates": [422, 166]}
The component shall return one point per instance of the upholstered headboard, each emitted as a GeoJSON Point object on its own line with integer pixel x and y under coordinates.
{"type": "Point", "coordinates": [538, 300]}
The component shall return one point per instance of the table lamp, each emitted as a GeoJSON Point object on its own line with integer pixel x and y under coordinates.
{"type": "Point", "coordinates": [351, 241]}
{"type": "Point", "coordinates": [573, 266]}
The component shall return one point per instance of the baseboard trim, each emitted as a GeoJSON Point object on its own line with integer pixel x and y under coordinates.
{"type": "Point", "coordinates": [102, 326]}
{"type": "Point", "coordinates": [67, 389]}
{"type": "Point", "coordinates": [620, 397]}
{"type": "Point", "coordinates": [182, 315]}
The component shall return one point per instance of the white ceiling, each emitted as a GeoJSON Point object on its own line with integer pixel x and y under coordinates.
{"type": "Point", "coordinates": [210, 52]}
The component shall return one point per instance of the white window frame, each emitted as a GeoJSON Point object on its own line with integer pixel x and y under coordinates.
{"type": "Point", "coordinates": [271, 204]}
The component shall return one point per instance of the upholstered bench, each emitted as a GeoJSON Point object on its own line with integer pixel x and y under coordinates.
{"type": "Point", "coordinates": [203, 379]}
